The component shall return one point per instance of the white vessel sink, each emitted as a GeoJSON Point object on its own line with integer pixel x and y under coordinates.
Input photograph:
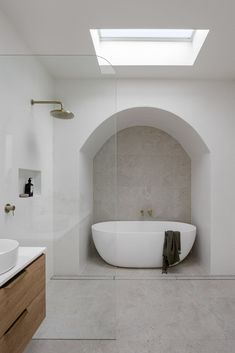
{"type": "Point", "coordinates": [8, 254]}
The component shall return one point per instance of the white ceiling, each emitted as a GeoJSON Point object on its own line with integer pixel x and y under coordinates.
{"type": "Point", "coordinates": [62, 27]}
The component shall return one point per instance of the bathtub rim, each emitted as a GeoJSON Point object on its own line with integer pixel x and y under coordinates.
{"type": "Point", "coordinates": [193, 227]}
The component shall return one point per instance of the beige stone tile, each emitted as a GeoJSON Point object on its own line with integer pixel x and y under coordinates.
{"type": "Point", "coordinates": [142, 167]}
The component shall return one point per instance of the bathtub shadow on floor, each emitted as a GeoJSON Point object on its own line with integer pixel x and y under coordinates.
{"type": "Point", "coordinates": [96, 266]}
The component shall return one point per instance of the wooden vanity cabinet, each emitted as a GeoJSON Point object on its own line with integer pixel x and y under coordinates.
{"type": "Point", "coordinates": [22, 307]}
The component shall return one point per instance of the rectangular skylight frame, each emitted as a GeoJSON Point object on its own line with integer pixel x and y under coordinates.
{"type": "Point", "coordinates": [131, 52]}
{"type": "Point", "coordinates": [157, 35]}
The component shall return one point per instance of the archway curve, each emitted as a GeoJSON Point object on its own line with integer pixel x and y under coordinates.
{"type": "Point", "coordinates": [192, 143]}
{"type": "Point", "coordinates": [165, 120]}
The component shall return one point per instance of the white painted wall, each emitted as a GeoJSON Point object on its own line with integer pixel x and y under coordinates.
{"type": "Point", "coordinates": [73, 168]}
{"type": "Point", "coordinates": [26, 141]}
{"type": "Point", "coordinates": [207, 106]}
{"type": "Point", "coordinates": [72, 225]}
{"type": "Point", "coordinates": [201, 207]}
{"type": "Point", "coordinates": [85, 207]}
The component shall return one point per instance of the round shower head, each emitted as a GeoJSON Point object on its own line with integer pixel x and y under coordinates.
{"type": "Point", "coordinates": [62, 114]}
{"type": "Point", "coordinates": [56, 113]}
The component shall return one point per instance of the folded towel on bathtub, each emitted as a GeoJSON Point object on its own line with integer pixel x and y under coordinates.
{"type": "Point", "coordinates": [171, 249]}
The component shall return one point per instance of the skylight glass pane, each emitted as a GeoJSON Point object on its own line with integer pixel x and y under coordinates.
{"type": "Point", "coordinates": [156, 34]}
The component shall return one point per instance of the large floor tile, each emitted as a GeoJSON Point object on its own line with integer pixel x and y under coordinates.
{"type": "Point", "coordinates": [163, 309]}
{"type": "Point", "coordinates": [80, 309]}
{"type": "Point", "coordinates": [151, 316]}
{"type": "Point", "coordinates": [72, 346]}
{"type": "Point", "coordinates": [132, 346]}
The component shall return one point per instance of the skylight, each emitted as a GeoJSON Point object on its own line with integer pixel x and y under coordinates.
{"type": "Point", "coordinates": [148, 47]}
{"type": "Point", "coordinates": [147, 34]}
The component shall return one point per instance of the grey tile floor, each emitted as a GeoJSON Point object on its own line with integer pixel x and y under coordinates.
{"type": "Point", "coordinates": [80, 309]}
{"type": "Point", "coordinates": [156, 316]}
{"type": "Point", "coordinates": [97, 267]}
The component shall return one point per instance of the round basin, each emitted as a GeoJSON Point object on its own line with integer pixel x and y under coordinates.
{"type": "Point", "coordinates": [8, 254]}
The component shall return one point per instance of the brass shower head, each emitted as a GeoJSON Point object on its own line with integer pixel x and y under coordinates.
{"type": "Point", "coordinates": [56, 113]}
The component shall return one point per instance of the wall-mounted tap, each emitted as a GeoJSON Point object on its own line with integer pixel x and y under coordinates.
{"type": "Point", "coordinates": [150, 212]}
{"type": "Point", "coordinates": [9, 208]}
{"type": "Point", "coordinates": [142, 212]}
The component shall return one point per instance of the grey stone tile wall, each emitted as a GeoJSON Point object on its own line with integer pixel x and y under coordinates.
{"type": "Point", "coordinates": [142, 168]}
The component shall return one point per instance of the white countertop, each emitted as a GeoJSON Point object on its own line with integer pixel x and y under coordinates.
{"type": "Point", "coordinates": [26, 256]}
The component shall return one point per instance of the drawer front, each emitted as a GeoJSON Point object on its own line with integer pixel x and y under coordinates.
{"type": "Point", "coordinates": [16, 338]}
{"type": "Point", "coordinates": [18, 293]}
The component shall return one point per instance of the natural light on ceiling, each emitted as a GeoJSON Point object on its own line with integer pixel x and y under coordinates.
{"type": "Point", "coordinates": [148, 47]}
{"type": "Point", "coordinates": [146, 34]}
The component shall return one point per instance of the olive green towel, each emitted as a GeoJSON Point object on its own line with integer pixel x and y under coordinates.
{"type": "Point", "coordinates": [171, 249]}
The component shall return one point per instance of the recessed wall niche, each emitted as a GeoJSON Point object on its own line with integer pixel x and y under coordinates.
{"type": "Point", "coordinates": [24, 175]}
{"type": "Point", "coordinates": [142, 167]}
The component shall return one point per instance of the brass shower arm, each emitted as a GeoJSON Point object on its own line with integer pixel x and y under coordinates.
{"type": "Point", "coordinates": [56, 113]}
{"type": "Point", "coordinates": [47, 102]}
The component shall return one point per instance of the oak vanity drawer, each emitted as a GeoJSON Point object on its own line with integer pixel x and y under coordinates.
{"type": "Point", "coordinates": [23, 328]}
{"type": "Point", "coordinates": [19, 292]}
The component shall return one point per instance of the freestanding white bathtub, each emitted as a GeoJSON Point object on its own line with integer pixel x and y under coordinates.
{"type": "Point", "coordinates": [138, 244]}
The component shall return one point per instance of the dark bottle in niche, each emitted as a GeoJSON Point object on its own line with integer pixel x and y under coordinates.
{"type": "Point", "coordinates": [29, 188]}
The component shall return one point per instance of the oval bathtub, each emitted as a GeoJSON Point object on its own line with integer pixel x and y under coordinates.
{"type": "Point", "coordinates": [138, 244]}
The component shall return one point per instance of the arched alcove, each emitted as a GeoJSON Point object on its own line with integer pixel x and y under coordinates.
{"type": "Point", "coordinates": [187, 137]}
{"type": "Point", "coordinates": [147, 116]}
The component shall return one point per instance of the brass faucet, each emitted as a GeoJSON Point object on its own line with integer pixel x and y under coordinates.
{"type": "Point", "coordinates": [150, 212]}
{"type": "Point", "coordinates": [142, 212]}
{"type": "Point", "coordinates": [9, 208]}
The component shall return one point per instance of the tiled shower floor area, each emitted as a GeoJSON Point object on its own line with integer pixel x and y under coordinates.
{"type": "Point", "coordinates": [80, 309]}
{"type": "Point", "coordinates": [84, 307]}
{"type": "Point", "coordinates": [98, 267]}
{"type": "Point", "coordinates": [138, 316]}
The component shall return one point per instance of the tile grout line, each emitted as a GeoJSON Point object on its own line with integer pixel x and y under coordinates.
{"type": "Point", "coordinates": [74, 339]}
{"type": "Point", "coordinates": [159, 278]}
